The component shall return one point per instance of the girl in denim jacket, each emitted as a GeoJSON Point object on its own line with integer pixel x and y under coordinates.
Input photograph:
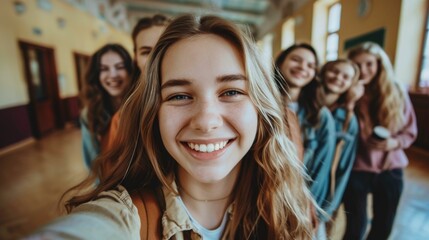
{"type": "Point", "coordinates": [339, 91]}
{"type": "Point", "coordinates": [296, 76]}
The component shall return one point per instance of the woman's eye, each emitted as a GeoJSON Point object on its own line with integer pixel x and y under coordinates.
{"type": "Point", "coordinates": [178, 98]}
{"type": "Point", "coordinates": [144, 53]}
{"type": "Point", "coordinates": [231, 93]}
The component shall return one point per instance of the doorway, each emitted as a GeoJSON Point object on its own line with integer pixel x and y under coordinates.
{"type": "Point", "coordinates": [81, 62]}
{"type": "Point", "coordinates": [41, 78]}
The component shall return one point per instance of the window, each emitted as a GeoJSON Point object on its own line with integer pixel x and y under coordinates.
{"type": "Point", "coordinates": [288, 33]}
{"type": "Point", "coordinates": [332, 39]}
{"type": "Point", "coordinates": [424, 72]}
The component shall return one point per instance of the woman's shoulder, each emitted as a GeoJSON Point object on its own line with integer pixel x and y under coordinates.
{"type": "Point", "coordinates": [326, 116]}
{"type": "Point", "coordinates": [84, 115]}
{"type": "Point", "coordinates": [110, 215]}
{"type": "Point", "coordinates": [118, 195]}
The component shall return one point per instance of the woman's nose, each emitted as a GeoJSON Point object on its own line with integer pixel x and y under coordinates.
{"type": "Point", "coordinates": [303, 65]}
{"type": "Point", "coordinates": [113, 72]}
{"type": "Point", "coordinates": [207, 116]}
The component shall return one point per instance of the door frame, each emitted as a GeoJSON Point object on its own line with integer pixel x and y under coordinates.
{"type": "Point", "coordinates": [49, 68]}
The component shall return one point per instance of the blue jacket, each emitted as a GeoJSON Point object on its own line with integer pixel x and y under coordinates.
{"type": "Point", "coordinates": [346, 160]}
{"type": "Point", "coordinates": [319, 147]}
{"type": "Point", "coordinates": [90, 144]}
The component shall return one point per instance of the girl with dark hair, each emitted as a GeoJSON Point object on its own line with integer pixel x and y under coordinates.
{"type": "Point", "coordinates": [145, 35]}
{"type": "Point", "coordinates": [107, 81]}
{"type": "Point", "coordinates": [296, 79]}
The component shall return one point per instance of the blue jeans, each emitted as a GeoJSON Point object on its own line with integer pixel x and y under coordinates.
{"type": "Point", "coordinates": [386, 188]}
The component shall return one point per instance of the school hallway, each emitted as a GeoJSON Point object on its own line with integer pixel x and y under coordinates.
{"type": "Point", "coordinates": [33, 177]}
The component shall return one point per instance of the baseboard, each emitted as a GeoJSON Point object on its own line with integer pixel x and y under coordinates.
{"type": "Point", "coordinates": [16, 146]}
{"type": "Point", "coordinates": [419, 151]}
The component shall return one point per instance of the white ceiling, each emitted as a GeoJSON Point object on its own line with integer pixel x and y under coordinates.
{"type": "Point", "coordinates": [259, 15]}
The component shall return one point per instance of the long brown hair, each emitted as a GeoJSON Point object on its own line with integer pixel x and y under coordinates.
{"type": "Point", "coordinates": [99, 107]}
{"type": "Point", "coordinates": [310, 104]}
{"type": "Point", "coordinates": [270, 195]}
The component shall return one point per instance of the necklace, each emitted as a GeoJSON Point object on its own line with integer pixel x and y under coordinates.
{"type": "Point", "coordinates": [202, 200]}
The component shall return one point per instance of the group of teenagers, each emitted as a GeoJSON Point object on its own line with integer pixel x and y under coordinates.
{"type": "Point", "coordinates": [199, 129]}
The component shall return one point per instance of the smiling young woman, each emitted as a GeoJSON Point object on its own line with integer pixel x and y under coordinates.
{"type": "Point", "coordinates": [207, 130]}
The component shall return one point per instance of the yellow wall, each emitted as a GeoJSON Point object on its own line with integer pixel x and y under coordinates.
{"type": "Point", "coordinates": [76, 36]}
{"type": "Point", "coordinates": [302, 18]}
{"type": "Point", "coordinates": [402, 20]}
{"type": "Point", "coordinates": [304, 22]}
{"type": "Point", "coordinates": [382, 14]}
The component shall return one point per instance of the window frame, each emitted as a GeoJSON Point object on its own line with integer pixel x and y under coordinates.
{"type": "Point", "coordinates": [424, 58]}
{"type": "Point", "coordinates": [331, 33]}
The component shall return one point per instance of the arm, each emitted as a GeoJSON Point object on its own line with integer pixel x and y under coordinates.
{"type": "Point", "coordinates": [404, 137]}
{"type": "Point", "coordinates": [110, 216]}
{"type": "Point", "coordinates": [90, 146]}
{"type": "Point", "coordinates": [295, 132]}
{"type": "Point", "coordinates": [345, 165]}
{"type": "Point", "coordinates": [408, 134]}
{"type": "Point", "coordinates": [320, 166]}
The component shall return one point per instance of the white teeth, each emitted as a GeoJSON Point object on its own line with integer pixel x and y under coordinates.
{"type": "Point", "coordinates": [210, 148]}
{"type": "Point", "coordinates": [207, 147]}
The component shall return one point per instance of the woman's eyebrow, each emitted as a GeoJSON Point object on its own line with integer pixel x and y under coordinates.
{"type": "Point", "coordinates": [145, 48]}
{"type": "Point", "coordinates": [175, 82]}
{"type": "Point", "coordinates": [231, 77]}
{"type": "Point", "coordinates": [186, 82]}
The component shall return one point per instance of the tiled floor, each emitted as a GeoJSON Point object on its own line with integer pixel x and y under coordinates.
{"type": "Point", "coordinates": [33, 177]}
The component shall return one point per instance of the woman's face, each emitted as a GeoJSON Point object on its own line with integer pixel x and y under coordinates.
{"type": "Point", "coordinates": [114, 77]}
{"type": "Point", "coordinates": [299, 67]}
{"type": "Point", "coordinates": [338, 77]}
{"type": "Point", "coordinates": [368, 66]}
{"type": "Point", "coordinates": [145, 41]}
{"type": "Point", "coordinates": [206, 118]}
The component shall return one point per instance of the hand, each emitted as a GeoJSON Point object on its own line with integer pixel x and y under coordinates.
{"type": "Point", "coordinates": [354, 94]}
{"type": "Point", "coordinates": [384, 145]}
{"type": "Point", "coordinates": [313, 216]}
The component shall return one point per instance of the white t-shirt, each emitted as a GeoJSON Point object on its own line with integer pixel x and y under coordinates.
{"type": "Point", "coordinates": [207, 234]}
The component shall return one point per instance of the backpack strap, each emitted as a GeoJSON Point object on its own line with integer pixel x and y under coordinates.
{"type": "Point", "coordinates": [149, 209]}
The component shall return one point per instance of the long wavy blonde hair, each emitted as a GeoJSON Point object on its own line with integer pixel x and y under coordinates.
{"type": "Point", "coordinates": [271, 196]}
{"type": "Point", "coordinates": [386, 96]}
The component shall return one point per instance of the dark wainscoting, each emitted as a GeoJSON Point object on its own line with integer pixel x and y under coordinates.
{"type": "Point", "coordinates": [14, 125]}
{"type": "Point", "coordinates": [421, 107]}
{"type": "Point", "coordinates": [71, 109]}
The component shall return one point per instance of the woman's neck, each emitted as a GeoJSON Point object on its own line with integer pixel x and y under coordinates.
{"type": "Point", "coordinates": [116, 102]}
{"type": "Point", "coordinates": [206, 202]}
{"type": "Point", "coordinates": [330, 99]}
{"type": "Point", "coordinates": [294, 93]}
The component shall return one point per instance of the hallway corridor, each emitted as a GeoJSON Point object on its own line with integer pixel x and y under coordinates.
{"type": "Point", "coordinates": [33, 177]}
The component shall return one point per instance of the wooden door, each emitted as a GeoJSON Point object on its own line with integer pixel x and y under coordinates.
{"type": "Point", "coordinates": [81, 62]}
{"type": "Point", "coordinates": [42, 85]}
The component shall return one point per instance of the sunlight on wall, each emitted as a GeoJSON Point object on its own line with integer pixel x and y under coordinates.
{"type": "Point", "coordinates": [288, 33]}
{"type": "Point", "coordinates": [265, 46]}
{"type": "Point", "coordinates": [413, 13]}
